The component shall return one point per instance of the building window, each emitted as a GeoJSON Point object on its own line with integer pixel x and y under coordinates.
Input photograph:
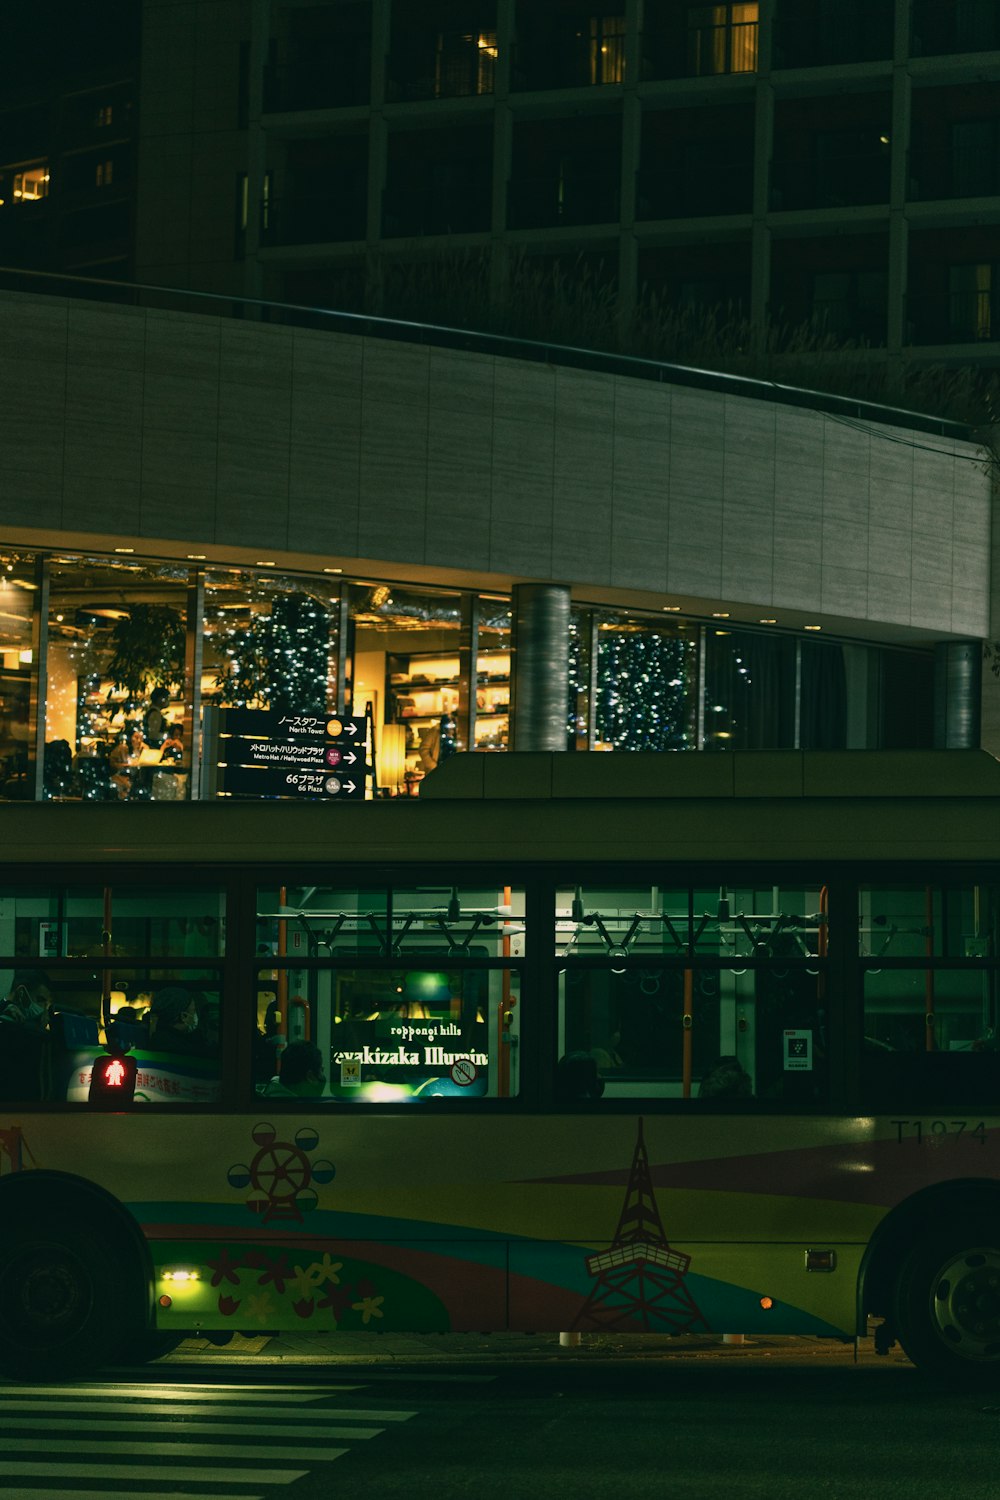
{"type": "Point", "coordinates": [104, 174]}
{"type": "Point", "coordinates": [103, 115]}
{"type": "Point", "coordinates": [722, 39]}
{"type": "Point", "coordinates": [464, 64]}
{"type": "Point", "coordinates": [31, 184]}
{"type": "Point", "coordinates": [971, 296]}
{"type": "Point", "coordinates": [607, 49]}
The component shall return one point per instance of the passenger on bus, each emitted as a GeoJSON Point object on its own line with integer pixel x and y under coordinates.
{"type": "Point", "coordinates": [577, 1079]}
{"type": "Point", "coordinates": [24, 1039]}
{"type": "Point", "coordinates": [173, 1022]}
{"type": "Point", "coordinates": [727, 1079]}
{"type": "Point", "coordinates": [301, 1073]}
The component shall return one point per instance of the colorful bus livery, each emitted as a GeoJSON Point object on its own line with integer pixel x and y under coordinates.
{"type": "Point", "coordinates": [704, 1057]}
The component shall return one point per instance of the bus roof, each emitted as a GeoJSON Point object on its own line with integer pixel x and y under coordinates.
{"type": "Point", "coordinates": [567, 810]}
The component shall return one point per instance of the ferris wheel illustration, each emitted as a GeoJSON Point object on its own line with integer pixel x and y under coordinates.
{"type": "Point", "coordinates": [281, 1175]}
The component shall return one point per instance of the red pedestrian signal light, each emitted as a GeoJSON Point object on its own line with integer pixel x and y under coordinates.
{"type": "Point", "coordinates": [112, 1079]}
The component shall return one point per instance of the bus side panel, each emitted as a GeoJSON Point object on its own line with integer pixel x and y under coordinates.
{"type": "Point", "coordinates": [670, 1222]}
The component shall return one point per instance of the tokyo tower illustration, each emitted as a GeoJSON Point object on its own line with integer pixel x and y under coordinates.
{"type": "Point", "coordinates": [640, 1280]}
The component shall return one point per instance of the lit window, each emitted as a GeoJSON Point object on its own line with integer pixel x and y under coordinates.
{"type": "Point", "coordinates": [722, 38]}
{"type": "Point", "coordinates": [31, 184]}
{"type": "Point", "coordinates": [607, 49]}
{"type": "Point", "coordinates": [104, 174]}
{"type": "Point", "coordinates": [103, 115]}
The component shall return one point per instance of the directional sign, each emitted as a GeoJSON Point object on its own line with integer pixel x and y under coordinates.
{"type": "Point", "coordinates": [263, 753]}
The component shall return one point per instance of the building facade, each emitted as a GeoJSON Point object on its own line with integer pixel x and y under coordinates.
{"type": "Point", "coordinates": [229, 479]}
{"type": "Point", "coordinates": [489, 545]}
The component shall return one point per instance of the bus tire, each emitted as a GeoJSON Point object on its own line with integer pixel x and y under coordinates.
{"type": "Point", "coordinates": [63, 1308]}
{"type": "Point", "coordinates": [947, 1301]}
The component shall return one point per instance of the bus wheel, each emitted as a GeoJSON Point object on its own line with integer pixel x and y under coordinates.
{"type": "Point", "coordinates": [59, 1314]}
{"type": "Point", "coordinates": [948, 1301]}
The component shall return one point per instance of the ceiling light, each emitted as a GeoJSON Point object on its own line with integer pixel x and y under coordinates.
{"type": "Point", "coordinates": [196, 557]}
{"type": "Point", "coordinates": [671, 608]}
{"type": "Point", "coordinates": [814, 627]}
{"type": "Point", "coordinates": [720, 614]}
{"type": "Point", "coordinates": [124, 549]}
{"type": "Point", "coordinates": [260, 563]}
{"type": "Point", "coordinates": [767, 622]}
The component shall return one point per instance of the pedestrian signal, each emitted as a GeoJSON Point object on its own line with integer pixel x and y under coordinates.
{"type": "Point", "coordinates": [112, 1079]}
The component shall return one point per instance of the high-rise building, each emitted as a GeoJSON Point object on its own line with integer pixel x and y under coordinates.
{"type": "Point", "coordinates": [534, 544]}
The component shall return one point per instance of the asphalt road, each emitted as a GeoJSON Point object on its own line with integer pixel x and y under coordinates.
{"type": "Point", "coordinates": [705, 1423]}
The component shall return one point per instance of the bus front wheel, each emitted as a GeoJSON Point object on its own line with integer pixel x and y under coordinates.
{"type": "Point", "coordinates": [59, 1311]}
{"type": "Point", "coordinates": [947, 1313]}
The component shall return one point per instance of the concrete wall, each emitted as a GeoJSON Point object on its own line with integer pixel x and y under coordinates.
{"type": "Point", "coordinates": [164, 425]}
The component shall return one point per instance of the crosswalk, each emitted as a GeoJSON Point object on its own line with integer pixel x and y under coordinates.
{"type": "Point", "coordinates": [237, 1441]}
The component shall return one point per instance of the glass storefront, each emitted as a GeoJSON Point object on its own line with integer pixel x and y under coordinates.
{"type": "Point", "coordinates": [111, 669]}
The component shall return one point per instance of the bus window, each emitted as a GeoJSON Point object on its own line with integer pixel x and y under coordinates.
{"type": "Point", "coordinates": [930, 1037]}
{"type": "Point", "coordinates": [169, 1021]}
{"type": "Point", "coordinates": [393, 1035]}
{"type": "Point", "coordinates": [928, 921]}
{"type": "Point", "coordinates": [54, 922]}
{"type": "Point", "coordinates": [317, 921]}
{"type": "Point", "coordinates": [658, 1031]}
{"type": "Point", "coordinates": [722, 920]}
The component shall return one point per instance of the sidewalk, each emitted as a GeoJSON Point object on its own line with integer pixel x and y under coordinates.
{"type": "Point", "coordinates": [397, 1349]}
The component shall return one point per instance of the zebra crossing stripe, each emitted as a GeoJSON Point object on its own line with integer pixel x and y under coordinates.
{"type": "Point", "coordinates": [221, 1429]}
{"type": "Point", "coordinates": [291, 1452]}
{"type": "Point", "coordinates": [127, 1473]}
{"type": "Point", "coordinates": [62, 1494]}
{"type": "Point", "coordinates": [175, 1393]}
{"type": "Point", "coordinates": [172, 1409]}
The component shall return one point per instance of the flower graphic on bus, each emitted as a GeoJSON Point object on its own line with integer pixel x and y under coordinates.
{"type": "Point", "coordinates": [281, 1175]}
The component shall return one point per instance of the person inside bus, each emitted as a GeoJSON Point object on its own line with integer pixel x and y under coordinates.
{"type": "Point", "coordinates": [577, 1079]}
{"type": "Point", "coordinates": [726, 1079]}
{"type": "Point", "coordinates": [24, 1038]}
{"type": "Point", "coordinates": [173, 1022]}
{"type": "Point", "coordinates": [301, 1073]}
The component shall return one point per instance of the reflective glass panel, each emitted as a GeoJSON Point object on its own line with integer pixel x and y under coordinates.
{"type": "Point", "coordinates": [375, 1036]}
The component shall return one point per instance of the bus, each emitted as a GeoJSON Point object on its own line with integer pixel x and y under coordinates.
{"type": "Point", "coordinates": [644, 1043]}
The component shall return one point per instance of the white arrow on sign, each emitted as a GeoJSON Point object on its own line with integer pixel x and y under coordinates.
{"type": "Point", "coordinates": [349, 757]}
{"type": "Point", "coordinates": [352, 728]}
{"type": "Point", "coordinates": [349, 786]}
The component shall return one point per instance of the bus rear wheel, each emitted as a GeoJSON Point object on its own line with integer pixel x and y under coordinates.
{"type": "Point", "coordinates": [947, 1314]}
{"type": "Point", "coordinates": [59, 1312]}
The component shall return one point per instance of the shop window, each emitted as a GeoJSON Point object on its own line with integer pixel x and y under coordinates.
{"type": "Point", "coordinates": [117, 725]}
{"type": "Point", "coordinates": [17, 594]}
{"type": "Point", "coordinates": [646, 678]}
{"type": "Point", "coordinates": [722, 39]}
